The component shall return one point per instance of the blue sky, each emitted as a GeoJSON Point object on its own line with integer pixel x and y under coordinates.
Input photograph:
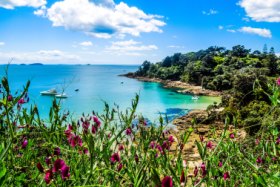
{"type": "Point", "coordinates": [130, 31]}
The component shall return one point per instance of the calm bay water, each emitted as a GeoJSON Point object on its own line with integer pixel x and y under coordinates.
{"type": "Point", "coordinates": [96, 84]}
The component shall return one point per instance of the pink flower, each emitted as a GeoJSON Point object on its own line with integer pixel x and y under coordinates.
{"type": "Point", "coordinates": [128, 131]}
{"type": "Point", "coordinates": [209, 145]}
{"type": "Point", "coordinates": [96, 120]}
{"type": "Point", "coordinates": [259, 160]}
{"type": "Point", "coordinates": [48, 176]}
{"type": "Point", "coordinates": [171, 139]}
{"type": "Point", "coordinates": [120, 166]}
{"type": "Point", "coordinates": [93, 130]}
{"type": "Point", "coordinates": [75, 140]}
{"type": "Point", "coordinates": [195, 171]}
{"type": "Point", "coordinates": [220, 164]}
{"type": "Point", "coordinates": [58, 164]}
{"type": "Point", "coordinates": [21, 101]}
{"type": "Point", "coordinates": [121, 147]}
{"type": "Point", "coordinates": [40, 167]}
{"type": "Point", "coordinates": [152, 144]}
{"type": "Point", "coordinates": [278, 81]}
{"type": "Point", "coordinates": [24, 143]}
{"type": "Point", "coordinates": [115, 158]}
{"type": "Point", "coordinates": [231, 135]}
{"type": "Point", "coordinates": [167, 182]}
{"type": "Point", "coordinates": [183, 177]}
{"type": "Point", "coordinates": [65, 172]}
{"type": "Point", "coordinates": [226, 175]}
{"type": "Point", "coordinates": [203, 169]}
{"type": "Point", "coordinates": [278, 140]}
{"type": "Point", "coordinates": [85, 151]}
{"type": "Point", "coordinates": [10, 98]}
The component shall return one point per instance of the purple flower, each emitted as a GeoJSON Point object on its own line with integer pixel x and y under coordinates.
{"type": "Point", "coordinates": [183, 177]}
{"type": "Point", "coordinates": [231, 135]}
{"type": "Point", "coordinates": [21, 101]}
{"type": "Point", "coordinates": [152, 144]}
{"type": "Point", "coordinates": [24, 143]}
{"type": "Point", "coordinates": [220, 164]}
{"type": "Point", "coordinates": [259, 160]}
{"type": "Point", "coordinates": [58, 164]}
{"type": "Point", "coordinates": [121, 147]}
{"type": "Point", "coordinates": [226, 175]}
{"type": "Point", "coordinates": [85, 151]}
{"type": "Point", "coordinates": [120, 166]}
{"type": "Point", "coordinates": [93, 130]}
{"type": "Point", "coordinates": [40, 167]}
{"type": "Point", "coordinates": [115, 158]}
{"type": "Point", "coordinates": [278, 81]}
{"type": "Point", "coordinates": [75, 140]}
{"type": "Point", "coordinates": [56, 151]}
{"type": "Point", "coordinates": [10, 98]}
{"type": "Point", "coordinates": [171, 139]}
{"type": "Point", "coordinates": [278, 140]}
{"type": "Point", "coordinates": [48, 176]}
{"type": "Point", "coordinates": [128, 131]}
{"type": "Point", "coordinates": [167, 182]}
{"type": "Point", "coordinates": [65, 172]}
{"type": "Point", "coordinates": [96, 120]}
{"type": "Point", "coordinates": [209, 145]}
{"type": "Point", "coordinates": [203, 169]}
{"type": "Point", "coordinates": [195, 171]}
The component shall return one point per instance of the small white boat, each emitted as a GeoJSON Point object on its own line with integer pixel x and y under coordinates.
{"type": "Point", "coordinates": [195, 97]}
{"type": "Point", "coordinates": [61, 95]}
{"type": "Point", "coordinates": [49, 92]}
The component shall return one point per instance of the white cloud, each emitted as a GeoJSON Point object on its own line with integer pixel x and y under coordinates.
{"type": "Point", "coordinates": [42, 56]}
{"type": "Point", "coordinates": [86, 43]}
{"type": "Point", "coordinates": [102, 18]}
{"type": "Point", "coordinates": [231, 30]}
{"type": "Point", "coordinates": [176, 46]}
{"type": "Point", "coordinates": [260, 10]}
{"type": "Point", "coordinates": [129, 47]}
{"type": "Point", "coordinates": [2, 43]}
{"type": "Point", "coordinates": [11, 4]}
{"type": "Point", "coordinates": [210, 12]}
{"type": "Point", "coordinates": [221, 27]}
{"type": "Point", "coordinates": [258, 31]}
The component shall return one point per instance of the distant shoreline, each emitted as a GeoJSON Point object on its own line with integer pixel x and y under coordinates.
{"type": "Point", "coordinates": [183, 87]}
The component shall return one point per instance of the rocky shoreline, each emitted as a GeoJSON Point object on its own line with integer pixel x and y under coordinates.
{"type": "Point", "coordinates": [182, 87]}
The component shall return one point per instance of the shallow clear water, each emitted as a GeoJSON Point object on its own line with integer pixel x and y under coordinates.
{"type": "Point", "coordinates": [96, 84]}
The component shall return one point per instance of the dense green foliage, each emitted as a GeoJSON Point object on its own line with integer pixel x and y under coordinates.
{"type": "Point", "coordinates": [214, 68]}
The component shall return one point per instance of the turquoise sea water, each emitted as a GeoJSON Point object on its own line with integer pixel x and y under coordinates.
{"type": "Point", "coordinates": [96, 84]}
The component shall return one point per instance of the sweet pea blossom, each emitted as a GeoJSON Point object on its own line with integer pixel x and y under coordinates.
{"type": "Point", "coordinates": [120, 166]}
{"type": "Point", "coordinates": [195, 171]}
{"type": "Point", "coordinates": [48, 176]}
{"type": "Point", "coordinates": [65, 172]}
{"type": "Point", "coordinates": [128, 131]}
{"type": "Point", "coordinates": [226, 175]}
{"type": "Point", "coordinates": [203, 169]}
{"type": "Point", "coordinates": [171, 139]}
{"type": "Point", "coordinates": [58, 165]}
{"type": "Point", "coordinates": [40, 167]}
{"type": "Point", "coordinates": [278, 81]}
{"type": "Point", "coordinates": [220, 164]}
{"type": "Point", "coordinates": [24, 143]}
{"type": "Point", "coordinates": [231, 135]}
{"type": "Point", "coordinates": [209, 145]}
{"type": "Point", "coordinates": [167, 182]}
{"type": "Point", "coordinates": [10, 98]}
{"type": "Point", "coordinates": [115, 158]}
{"type": "Point", "coordinates": [259, 160]}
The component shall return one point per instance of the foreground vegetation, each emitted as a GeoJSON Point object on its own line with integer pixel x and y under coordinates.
{"type": "Point", "coordinates": [109, 150]}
